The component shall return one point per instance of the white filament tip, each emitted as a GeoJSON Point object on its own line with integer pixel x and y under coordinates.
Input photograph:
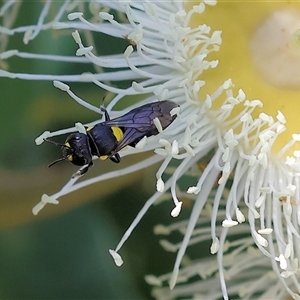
{"type": "Point", "coordinates": [282, 262]}
{"type": "Point", "coordinates": [265, 231]}
{"type": "Point", "coordinates": [229, 223]}
{"type": "Point", "coordinates": [240, 216]}
{"type": "Point", "coordinates": [60, 85]}
{"type": "Point", "coordinates": [176, 210]}
{"type": "Point", "coordinates": [152, 280]}
{"type": "Point", "coordinates": [261, 240]}
{"type": "Point", "coordinates": [117, 257]}
{"type": "Point", "coordinates": [173, 278]}
{"type": "Point", "coordinates": [160, 185]}
{"type": "Point", "coordinates": [80, 127]}
{"type": "Point", "coordinates": [40, 139]}
{"type": "Point", "coordinates": [214, 248]}
{"type": "Point", "coordinates": [75, 15]}
{"type": "Point", "coordinates": [193, 190]}
{"type": "Point", "coordinates": [157, 124]}
{"type": "Point", "coordinates": [44, 200]}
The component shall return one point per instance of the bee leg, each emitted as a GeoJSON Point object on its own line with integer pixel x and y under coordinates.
{"type": "Point", "coordinates": [82, 171]}
{"type": "Point", "coordinates": [115, 158]}
{"type": "Point", "coordinates": [103, 109]}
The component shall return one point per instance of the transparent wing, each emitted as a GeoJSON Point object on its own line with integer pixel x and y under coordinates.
{"type": "Point", "coordinates": [142, 117]}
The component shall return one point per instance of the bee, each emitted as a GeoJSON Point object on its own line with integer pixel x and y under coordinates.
{"type": "Point", "coordinates": [106, 139]}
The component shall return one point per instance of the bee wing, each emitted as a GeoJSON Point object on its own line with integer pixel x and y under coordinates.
{"type": "Point", "coordinates": [139, 122]}
{"type": "Point", "coordinates": [135, 118]}
{"type": "Point", "coordinates": [142, 117]}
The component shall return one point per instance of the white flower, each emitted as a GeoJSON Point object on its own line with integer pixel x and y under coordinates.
{"type": "Point", "coordinates": [241, 153]}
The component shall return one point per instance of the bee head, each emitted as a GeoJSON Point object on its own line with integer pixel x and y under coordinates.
{"type": "Point", "coordinates": [76, 150]}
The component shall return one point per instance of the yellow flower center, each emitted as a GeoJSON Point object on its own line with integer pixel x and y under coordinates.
{"type": "Point", "coordinates": [260, 52]}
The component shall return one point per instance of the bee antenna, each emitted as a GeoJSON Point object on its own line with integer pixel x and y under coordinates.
{"type": "Point", "coordinates": [102, 106]}
{"type": "Point", "coordinates": [56, 161]}
{"type": "Point", "coordinates": [103, 110]}
{"type": "Point", "coordinates": [55, 143]}
{"type": "Point", "coordinates": [103, 99]}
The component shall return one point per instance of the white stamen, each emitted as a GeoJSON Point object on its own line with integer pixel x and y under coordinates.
{"type": "Point", "coordinates": [80, 127]}
{"type": "Point", "coordinates": [61, 85]}
{"type": "Point", "coordinates": [260, 201]}
{"type": "Point", "coordinates": [283, 262]}
{"type": "Point", "coordinates": [8, 54]}
{"type": "Point", "coordinates": [239, 215]}
{"type": "Point", "coordinates": [296, 137]}
{"type": "Point", "coordinates": [160, 186]}
{"type": "Point", "coordinates": [40, 139]}
{"type": "Point", "coordinates": [157, 124]}
{"type": "Point", "coordinates": [288, 250]}
{"type": "Point", "coordinates": [229, 223]}
{"type": "Point", "coordinates": [75, 15]}
{"type": "Point", "coordinates": [280, 117]}
{"type": "Point", "coordinates": [214, 248]}
{"type": "Point", "coordinates": [84, 50]}
{"type": "Point", "coordinates": [153, 280]}
{"type": "Point", "coordinates": [262, 241]}
{"type": "Point", "coordinates": [76, 37]}
{"type": "Point", "coordinates": [44, 200]}
{"type": "Point", "coordinates": [173, 278]}
{"type": "Point", "coordinates": [175, 111]}
{"type": "Point", "coordinates": [128, 51]}
{"type": "Point", "coordinates": [60, 25]}
{"type": "Point", "coordinates": [161, 229]}
{"type": "Point", "coordinates": [193, 190]}
{"type": "Point", "coordinates": [266, 231]}
{"type": "Point", "coordinates": [253, 103]}
{"type": "Point", "coordinates": [165, 143]}
{"type": "Point", "coordinates": [176, 210]}
{"type": "Point", "coordinates": [264, 117]}
{"type": "Point", "coordinates": [137, 87]}
{"type": "Point", "coordinates": [106, 16]}
{"type": "Point", "coordinates": [169, 247]}
{"type": "Point", "coordinates": [4, 73]}
{"type": "Point", "coordinates": [141, 144]}
{"type": "Point", "coordinates": [175, 149]}
{"type": "Point", "coordinates": [254, 212]}
{"type": "Point", "coordinates": [161, 152]}
{"type": "Point", "coordinates": [27, 36]}
{"type": "Point", "coordinates": [117, 258]}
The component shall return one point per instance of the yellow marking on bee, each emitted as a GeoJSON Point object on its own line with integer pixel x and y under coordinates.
{"type": "Point", "coordinates": [70, 157]}
{"type": "Point", "coordinates": [118, 133]}
{"type": "Point", "coordinates": [103, 157]}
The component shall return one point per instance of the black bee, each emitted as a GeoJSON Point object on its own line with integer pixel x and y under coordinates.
{"type": "Point", "coordinates": [107, 138]}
